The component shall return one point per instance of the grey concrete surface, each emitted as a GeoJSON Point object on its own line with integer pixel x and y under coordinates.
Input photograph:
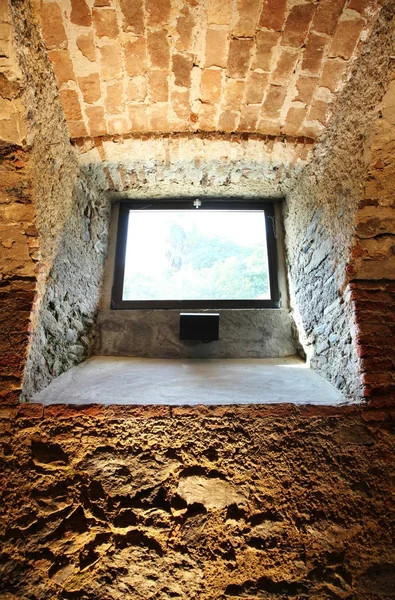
{"type": "Point", "coordinates": [243, 333]}
{"type": "Point", "coordinates": [116, 380]}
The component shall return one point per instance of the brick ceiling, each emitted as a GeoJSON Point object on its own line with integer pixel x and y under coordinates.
{"type": "Point", "coordinates": [266, 66]}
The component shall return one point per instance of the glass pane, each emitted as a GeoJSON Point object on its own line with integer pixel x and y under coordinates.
{"type": "Point", "coordinates": [196, 255]}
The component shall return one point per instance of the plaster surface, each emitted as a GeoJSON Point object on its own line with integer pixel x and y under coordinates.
{"type": "Point", "coordinates": [113, 380]}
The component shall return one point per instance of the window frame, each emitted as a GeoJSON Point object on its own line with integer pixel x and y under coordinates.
{"type": "Point", "coordinates": [226, 203]}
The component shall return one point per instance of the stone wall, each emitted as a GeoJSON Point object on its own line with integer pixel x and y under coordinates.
{"type": "Point", "coordinates": [321, 212]}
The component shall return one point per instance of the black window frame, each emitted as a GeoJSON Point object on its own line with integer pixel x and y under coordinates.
{"type": "Point", "coordinates": [188, 204]}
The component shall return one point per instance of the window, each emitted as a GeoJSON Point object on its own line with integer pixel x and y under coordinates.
{"type": "Point", "coordinates": [196, 253]}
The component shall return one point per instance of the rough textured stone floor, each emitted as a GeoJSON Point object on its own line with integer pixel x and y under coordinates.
{"type": "Point", "coordinates": [273, 502]}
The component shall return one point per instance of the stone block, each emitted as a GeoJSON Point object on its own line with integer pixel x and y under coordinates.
{"type": "Point", "coordinates": [159, 118]}
{"type": "Point", "coordinates": [158, 49]}
{"type": "Point", "coordinates": [313, 53]}
{"type": "Point", "coordinates": [86, 45]}
{"type": "Point", "coordinates": [219, 12]}
{"type": "Point", "coordinates": [265, 42]}
{"type": "Point", "coordinates": [114, 101]}
{"type": "Point", "coordinates": [297, 25]}
{"type": "Point", "coordinates": [256, 87]}
{"type": "Point", "coordinates": [306, 87]}
{"type": "Point", "coordinates": [117, 126]}
{"type": "Point", "coordinates": [247, 21]}
{"type": "Point", "coordinates": [233, 94]}
{"type": "Point", "coordinates": [332, 74]}
{"type": "Point", "coordinates": [327, 15]}
{"type": "Point", "coordinates": [62, 65]}
{"type": "Point", "coordinates": [274, 101]}
{"type": "Point", "coordinates": [294, 120]}
{"type": "Point", "coordinates": [52, 23]}
{"type": "Point", "coordinates": [207, 117]}
{"type": "Point", "coordinates": [77, 129]}
{"type": "Point", "coordinates": [249, 117]}
{"type": "Point", "coordinates": [158, 12]}
{"type": "Point", "coordinates": [182, 66]}
{"type": "Point", "coordinates": [285, 67]}
{"type": "Point", "coordinates": [136, 89]}
{"type": "Point", "coordinates": [136, 57]}
{"type": "Point", "coordinates": [184, 28]}
{"type": "Point", "coordinates": [111, 61]}
{"type": "Point", "coordinates": [181, 104]}
{"type": "Point", "coordinates": [228, 121]}
{"type": "Point", "coordinates": [346, 37]}
{"type": "Point", "coordinates": [138, 117]}
{"type": "Point", "coordinates": [158, 86]}
{"type": "Point", "coordinates": [97, 123]}
{"type": "Point", "coordinates": [90, 87]}
{"type": "Point", "coordinates": [80, 13]}
{"type": "Point", "coordinates": [71, 105]}
{"type": "Point", "coordinates": [239, 57]}
{"type": "Point", "coordinates": [211, 85]}
{"type": "Point", "coordinates": [272, 15]}
{"type": "Point", "coordinates": [133, 16]}
{"type": "Point", "coordinates": [105, 22]}
{"type": "Point", "coordinates": [217, 48]}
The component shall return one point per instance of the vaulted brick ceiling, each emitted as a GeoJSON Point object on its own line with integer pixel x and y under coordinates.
{"type": "Point", "coordinates": [266, 66]}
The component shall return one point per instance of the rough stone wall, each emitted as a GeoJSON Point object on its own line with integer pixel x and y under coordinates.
{"type": "Point", "coordinates": [372, 264]}
{"type": "Point", "coordinates": [196, 503]}
{"type": "Point", "coordinates": [270, 66]}
{"type": "Point", "coordinates": [321, 212]}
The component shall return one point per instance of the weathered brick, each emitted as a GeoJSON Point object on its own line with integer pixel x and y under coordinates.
{"type": "Point", "coordinates": [138, 117]}
{"type": "Point", "coordinates": [133, 16]}
{"type": "Point", "coordinates": [217, 48]}
{"type": "Point", "coordinates": [158, 86]}
{"type": "Point", "coordinates": [158, 49]}
{"type": "Point", "coordinates": [239, 57]}
{"type": "Point", "coordinates": [285, 67]}
{"type": "Point", "coordinates": [97, 123]}
{"type": "Point", "coordinates": [53, 30]}
{"type": "Point", "coordinates": [220, 12]}
{"type": "Point", "coordinates": [114, 98]}
{"type": "Point", "coordinates": [71, 105]}
{"type": "Point", "coordinates": [136, 56]}
{"type": "Point", "coordinates": [256, 87]}
{"type": "Point", "coordinates": [62, 65]}
{"type": "Point", "coordinates": [211, 85]}
{"type": "Point", "coordinates": [181, 104]}
{"type": "Point", "coordinates": [184, 28]}
{"type": "Point", "coordinates": [327, 15]}
{"type": "Point", "coordinates": [272, 15]}
{"type": "Point", "coordinates": [90, 87]}
{"type": "Point", "coordinates": [249, 117]}
{"type": "Point", "coordinates": [117, 125]}
{"type": "Point", "coordinates": [30, 411]}
{"type": "Point", "coordinates": [233, 94]}
{"type": "Point", "coordinates": [294, 120]}
{"type": "Point", "coordinates": [159, 118]}
{"type": "Point", "coordinates": [268, 126]}
{"type": "Point", "coordinates": [105, 21]}
{"type": "Point", "coordinates": [80, 13]}
{"type": "Point", "coordinates": [86, 45]}
{"type": "Point", "coordinates": [359, 5]}
{"type": "Point", "coordinates": [248, 13]}
{"type": "Point", "coordinates": [274, 101]}
{"type": "Point", "coordinates": [111, 61]}
{"type": "Point", "coordinates": [306, 87]}
{"type": "Point", "coordinates": [332, 74]}
{"type": "Point", "coordinates": [77, 129]}
{"type": "Point", "coordinates": [265, 41]}
{"type": "Point", "coordinates": [158, 12]}
{"type": "Point", "coordinates": [228, 121]}
{"type": "Point", "coordinates": [136, 89]}
{"type": "Point", "coordinates": [346, 36]}
{"type": "Point", "coordinates": [182, 66]}
{"type": "Point", "coordinates": [313, 53]}
{"type": "Point", "coordinates": [297, 25]}
{"type": "Point", "coordinates": [102, 3]}
{"type": "Point", "coordinates": [207, 117]}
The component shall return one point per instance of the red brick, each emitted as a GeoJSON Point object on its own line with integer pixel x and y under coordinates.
{"type": "Point", "coordinates": [359, 5]}
{"type": "Point", "coordinates": [158, 12]}
{"type": "Point", "coordinates": [136, 57]}
{"type": "Point", "coordinates": [30, 411]}
{"type": "Point", "coordinates": [265, 41]}
{"type": "Point", "coordinates": [249, 118]}
{"type": "Point", "coordinates": [140, 412]}
{"type": "Point", "coordinates": [133, 14]}
{"type": "Point", "coordinates": [158, 86]}
{"type": "Point", "coordinates": [313, 53]}
{"type": "Point", "coordinates": [297, 25]}
{"type": "Point", "coordinates": [111, 61]}
{"type": "Point", "coordinates": [272, 15]}
{"type": "Point", "coordinates": [158, 49]}
{"type": "Point", "coordinates": [114, 98]}
{"type": "Point", "coordinates": [53, 30]}
{"type": "Point", "coordinates": [184, 28]}
{"type": "Point", "coordinates": [71, 105]}
{"type": "Point", "coordinates": [217, 48]}
{"type": "Point", "coordinates": [220, 12]}
{"type": "Point", "coordinates": [77, 129]}
{"type": "Point", "coordinates": [285, 67]}
{"type": "Point", "coordinates": [71, 411]}
{"type": "Point", "coordinates": [274, 101]}
{"type": "Point", "coordinates": [90, 87]}
{"type": "Point", "coordinates": [97, 123]}
{"type": "Point", "coordinates": [138, 117]}
{"type": "Point", "coordinates": [346, 36]}
{"type": "Point", "coordinates": [332, 74]}
{"type": "Point", "coordinates": [306, 87]}
{"type": "Point", "coordinates": [86, 45]}
{"type": "Point", "coordinates": [239, 57]}
{"type": "Point", "coordinates": [8, 413]}
{"type": "Point", "coordinates": [211, 85]}
{"type": "Point", "coordinates": [256, 87]}
{"type": "Point", "coordinates": [102, 3]}
{"type": "Point", "coordinates": [227, 121]}
{"type": "Point", "coordinates": [80, 13]}
{"type": "Point", "coordinates": [62, 65]}
{"type": "Point", "coordinates": [294, 120]}
{"type": "Point", "coordinates": [248, 13]}
{"type": "Point", "coordinates": [105, 21]}
{"type": "Point", "coordinates": [182, 67]}
{"type": "Point", "coordinates": [327, 15]}
{"type": "Point", "coordinates": [233, 94]}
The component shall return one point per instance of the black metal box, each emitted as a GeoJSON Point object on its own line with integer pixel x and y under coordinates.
{"type": "Point", "coordinates": [203, 327]}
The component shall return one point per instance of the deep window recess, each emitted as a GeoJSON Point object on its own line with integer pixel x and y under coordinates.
{"type": "Point", "coordinates": [196, 253]}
